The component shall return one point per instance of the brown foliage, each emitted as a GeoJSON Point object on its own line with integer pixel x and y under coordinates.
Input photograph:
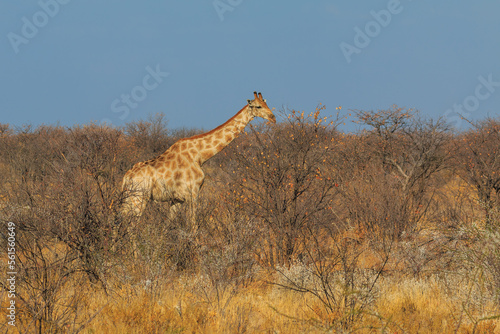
{"type": "Point", "coordinates": [285, 179]}
{"type": "Point", "coordinates": [478, 163]}
{"type": "Point", "coordinates": [322, 214]}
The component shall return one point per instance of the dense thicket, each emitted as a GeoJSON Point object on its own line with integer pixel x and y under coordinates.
{"type": "Point", "coordinates": [407, 192]}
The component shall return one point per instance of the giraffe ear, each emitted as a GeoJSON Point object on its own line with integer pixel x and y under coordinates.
{"type": "Point", "coordinates": [264, 100]}
{"type": "Point", "coordinates": [249, 101]}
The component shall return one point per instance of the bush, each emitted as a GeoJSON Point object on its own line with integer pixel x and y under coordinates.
{"type": "Point", "coordinates": [331, 219]}
{"type": "Point", "coordinates": [285, 179]}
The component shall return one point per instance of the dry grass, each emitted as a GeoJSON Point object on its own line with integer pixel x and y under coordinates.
{"type": "Point", "coordinates": [404, 306]}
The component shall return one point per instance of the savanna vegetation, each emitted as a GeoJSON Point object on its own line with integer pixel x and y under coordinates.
{"type": "Point", "coordinates": [299, 228]}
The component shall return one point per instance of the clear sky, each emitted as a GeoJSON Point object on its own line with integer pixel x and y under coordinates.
{"type": "Point", "coordinates": [198, 61]}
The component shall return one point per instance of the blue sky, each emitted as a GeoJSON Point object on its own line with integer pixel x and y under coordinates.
{"type": "Point", "coordinates": [73, 62]}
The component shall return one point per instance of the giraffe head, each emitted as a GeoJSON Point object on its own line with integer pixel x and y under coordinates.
{"type": "Point", "coordinates": [258, 108]}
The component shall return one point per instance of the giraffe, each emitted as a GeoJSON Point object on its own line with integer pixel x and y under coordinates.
{"type": "Point", "coordinates": [176, 175]}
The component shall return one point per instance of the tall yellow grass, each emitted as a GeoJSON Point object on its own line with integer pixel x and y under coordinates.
{"type": "Point", "coordinates": [404, 305]}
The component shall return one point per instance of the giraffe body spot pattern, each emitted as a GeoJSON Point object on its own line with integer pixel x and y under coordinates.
{"type": "Point", "coordinates": [176, 175]}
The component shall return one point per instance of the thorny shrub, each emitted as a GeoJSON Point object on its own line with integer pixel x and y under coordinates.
{"type": "Point", "coordinates": [284, 179]}
{"type": "Point", "coordinates": [322, 209]}
{"type": "Point", "coordinates": [478, 163]}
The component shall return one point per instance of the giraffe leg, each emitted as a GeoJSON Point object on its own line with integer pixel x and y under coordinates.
{"type": "Point", "coordinates": [134, 205]}
{"type": "Point", "coordinates": [187, 200]}
{"type": "Point", "coordinates": [192, 208]}
{"type": "Point", "coordinates": [132, 208]}
{"type": "Point", "coordinates": [174, 210]}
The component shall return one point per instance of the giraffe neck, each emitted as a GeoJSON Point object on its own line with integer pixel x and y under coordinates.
{"type": "Point", "coordinates": [212, 142]}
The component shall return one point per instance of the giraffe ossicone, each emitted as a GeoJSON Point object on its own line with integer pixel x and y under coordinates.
{"type": "Point", "coordinates": [176, 175]}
